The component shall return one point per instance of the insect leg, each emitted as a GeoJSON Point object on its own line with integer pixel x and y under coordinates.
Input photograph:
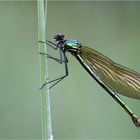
{"type": "Point", "coordinates": [53, 58]}
{"type": "Point", "coordinates": [62, 55]}
{"type": "Point", "coordinates": [66, 71]}
{"type": "Point", "coordinates": [49, 43]}
{"type": "Point", "coordinates": [54, 46]}
{"type": "Point", "coordinates": [57, 80]}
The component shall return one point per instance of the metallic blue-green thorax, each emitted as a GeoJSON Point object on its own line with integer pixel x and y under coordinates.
{"type": "Point", "coordinates": [72, 44]}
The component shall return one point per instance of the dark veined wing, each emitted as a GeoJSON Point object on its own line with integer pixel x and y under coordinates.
{"type": "Point", "coordinates": [118, 78]}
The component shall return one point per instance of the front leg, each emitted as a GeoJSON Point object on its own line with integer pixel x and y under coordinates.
{"type": "Point", "coordinates": [53, 58]}
{"type": "Point", "coordinates": [49, 43]}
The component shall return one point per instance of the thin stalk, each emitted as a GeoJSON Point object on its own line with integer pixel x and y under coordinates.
{"type": "Point", "coordinates": [50, 135]}
{"type": "Point", "coordinates": [45, 93]}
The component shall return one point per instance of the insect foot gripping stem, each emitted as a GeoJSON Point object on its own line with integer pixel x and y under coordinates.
{"type": "Point", "coordinates": [136, 120]}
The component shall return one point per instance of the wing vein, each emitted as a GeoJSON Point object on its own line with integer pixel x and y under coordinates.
{"type": "Point", "coordinates": [117, 77]}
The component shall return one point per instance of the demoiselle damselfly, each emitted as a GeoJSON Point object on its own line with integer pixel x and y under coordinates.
{"type": "Point", "coordinates": [112, 77]}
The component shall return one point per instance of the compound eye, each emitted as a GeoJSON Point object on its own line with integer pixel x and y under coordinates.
{"type": "Point", "coordinates": [59, 36]}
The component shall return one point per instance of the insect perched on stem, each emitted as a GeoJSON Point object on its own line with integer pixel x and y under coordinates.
{"type": "Point", "coordinates": [112, 77]}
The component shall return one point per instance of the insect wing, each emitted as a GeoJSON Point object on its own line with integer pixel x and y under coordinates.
{"type": "Point", "coordinates": [118, 78]}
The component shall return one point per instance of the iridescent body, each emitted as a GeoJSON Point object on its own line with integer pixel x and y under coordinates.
{"type": "Point", "coordinates": [112, 77]}
{"type": "Point", "coordinates": [117, 77]}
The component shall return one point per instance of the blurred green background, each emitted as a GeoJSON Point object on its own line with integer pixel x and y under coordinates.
{"type": "Point", "coordinates": [80, 108]}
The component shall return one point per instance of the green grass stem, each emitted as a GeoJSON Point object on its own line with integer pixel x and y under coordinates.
{"type": "Point", "coordinates": [45, 93]}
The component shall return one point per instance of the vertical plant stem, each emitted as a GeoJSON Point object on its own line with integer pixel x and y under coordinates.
{"type": "Point", "coordinates": [50, 135]}
{"type": "Point", "coordinates": [45, 93]}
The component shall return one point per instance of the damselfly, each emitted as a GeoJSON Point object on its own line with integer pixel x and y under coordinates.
{"type": "Point", "coordinates": [112, 77]}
